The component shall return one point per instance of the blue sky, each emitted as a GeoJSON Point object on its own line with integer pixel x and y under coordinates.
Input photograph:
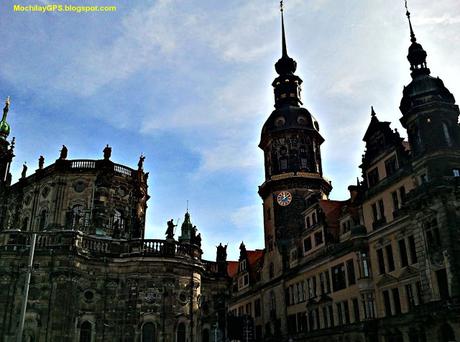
{"type": "Point", "coordinates": [188, 84]}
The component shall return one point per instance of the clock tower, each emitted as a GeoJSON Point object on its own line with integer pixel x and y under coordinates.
{"type": "Point", "coordinates": [291, 143]}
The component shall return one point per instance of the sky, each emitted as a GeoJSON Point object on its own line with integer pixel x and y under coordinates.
{"type": "Point", "coordinates": [188, 83]}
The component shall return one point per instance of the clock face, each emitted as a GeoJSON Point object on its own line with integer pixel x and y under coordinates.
{"type": "Point", "coordinates": [284, 198]}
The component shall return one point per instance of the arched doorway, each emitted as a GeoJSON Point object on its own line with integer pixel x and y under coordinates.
{"type": "Point", "coordinates": [148, 332]}
{"type": "Point", "coordinates": [181, 332]}
{"type": "Point", "coordinates": [85, 331]}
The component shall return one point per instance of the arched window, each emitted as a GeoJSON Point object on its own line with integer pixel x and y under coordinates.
{"type": "Point", "coordinates": [86, 331]}
{"type": "Point", "coordinates": [148, 332]}
{"type": "Point", "coordinates": [42, 220]}
{"type": "Point", "coordinates": [181, 332]}
{"type": "Point", "coordinates": [445, 130]}
{"type": "Point", "coordinates": [77, 215]}
{"type": "Point", "coordinates": [205, 335]}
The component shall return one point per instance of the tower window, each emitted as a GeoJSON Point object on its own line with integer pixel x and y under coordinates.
{"type": "Point", "coordinates": [445, 130]}
{"type": "Point", "coordinates": [456, 172]}
{"type": "Point", "coordinates": [42, 220]}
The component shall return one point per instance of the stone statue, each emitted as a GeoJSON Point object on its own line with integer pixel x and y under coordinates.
{"type": "Point", "coordinates": [140, 165]}
{"type": "Point", "coordinates": [221, 253]}
{"type": "Point", "coordinates": [41, 162]}
{"type": "Point", "coordinates": [64, 152]}
{"type": "Point", "coordinates": [107, 152]}
{"type": "Point", "coordinates": [24, 170]}
{"type": "Point", "coordinates": [170, 230]}
{"type": "Point", "coordinates": [198, 240]}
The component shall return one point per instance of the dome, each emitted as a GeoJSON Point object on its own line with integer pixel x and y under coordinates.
{"type": "Point", "coordinates": [417, 55]}
{"type": "Point", "coordinates": [420, 88]}
{"type": "Point", "coordinates": [289, 117]}
{"type": "Point", "coordinates": [4, 129]}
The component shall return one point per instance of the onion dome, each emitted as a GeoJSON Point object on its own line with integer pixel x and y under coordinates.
{"type": "Point", "coordinates": [4, 126]}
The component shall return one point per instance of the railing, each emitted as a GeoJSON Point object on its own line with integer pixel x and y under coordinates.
{"type": "Point", "coordinates": [122, 169]}
{"type": "Point", "coordinates": [83, 164]}
{"type": "Point", "coordinates": [12, 240]}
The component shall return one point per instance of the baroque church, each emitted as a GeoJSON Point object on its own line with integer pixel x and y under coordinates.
{"type": "Point", "coordinates": [381, 266]}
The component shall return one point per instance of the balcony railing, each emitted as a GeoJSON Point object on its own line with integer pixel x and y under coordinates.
{"type": "Point", "coordinates": [14, 240]}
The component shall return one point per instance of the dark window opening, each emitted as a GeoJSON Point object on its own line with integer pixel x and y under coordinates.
{"type": "Point", "coordinates": [381, 261]}
{"type": "Point", "coordinates": [403, 253]}
{"type": "Point", "coordinates": [396, 301]}
{"type": "Point", "coordinates": [387, 303]}
{"type": "Point", "coordinates": [338, 278]}
{"type": "Point", "coordinates": [443, 286]}
{"type": "Point", "coordinates": [85, 332]}
{"type": "Point", "coordinates": [391, 262]}
{"type": "Point", "coordinates": [351, 272]}
{"type": "Point", "coordinates": [390, 166]}
{"type": "Point", "coordinates": [412, 249]}
{"type": "Point", "coordinates": [373, 177]}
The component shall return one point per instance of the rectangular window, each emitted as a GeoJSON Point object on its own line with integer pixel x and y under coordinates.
{"type": "Point", "coordinates": [356, 309]}
{"type": "Point", "coordinates": [368, 303]}
{"type": "Point", "coordinates": [325, 318]}
{"type": "Point", "coordinates": [387, 303]}
{"type": "Point", "coordinates": [322, 284]}
{"type": "Point", "coordinates": [339, 313]}
{"type": "Point", "coordinates": [381, 261]}
{"type": "Point", "coordinates": [443, 287]}
{"type": "Point", "coordinates": [403, 253]}
{"type": "Point", "coordinates": [396, 301]}
{"type": "Point", "coordinates": [375, 215]}
{"type": "Point", "coordinates": [346, 312]}
{"type": "Point", "coordinates": [330, 310]}
{"type": "Point", "coordinates": [365, 271]}
{"type": "Point", "coordinates": [410, 296]}
{"type": "Point", "coordinates": [318, 238]}
{"type": "Point", "coordinates": [381, 210]}
{"type": "Point", "coordinates": [257, 309]}
{"type": "Point", "coordinates": [394, 197]}
{"type": "Point", "coordinates": [390, 166]}
{"type": "Point", "coordinates": [456, 172]}
{"type": "Point", "coordinates": [391, 261]}
{"type": "Point", "coordinates": [373, 177]}
{"type": "Point", "coordinates": [328, 282]}
{"type": "Point", "coordinates": [412, 250]}
{"type": "Point", "coordinates": [351, 272]}
{"type": "Point", "coordinates": [307, 244]}
{"type": "Point", "coordinates": [402, 194]}
{"type": "Point", "coordinates": [338, 277]}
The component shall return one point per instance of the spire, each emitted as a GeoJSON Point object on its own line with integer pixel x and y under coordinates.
{"type": "Point", "coordinates": [372, 111]}
{"type": "Point", "coordinates": [283, 39]}
{"type": "Point", "coordinates": [417, 55]}
{"type": "Point", "coordinates": [285, 65]}
{"type": "Point", "coordinates": [4, 126]}
{"type": "Point", "coordinates": [412, 34]}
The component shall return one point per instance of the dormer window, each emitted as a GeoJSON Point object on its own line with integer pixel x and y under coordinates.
{"type": "Point", "coordinates": [390, 166]}
{"type": "Point", "coordinates": [243, 265]}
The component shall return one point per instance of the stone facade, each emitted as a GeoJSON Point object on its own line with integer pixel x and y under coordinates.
{"type": "Point", "coordinates": [94, 277]}
{"type": "Point", "coordinates": [381, 266]}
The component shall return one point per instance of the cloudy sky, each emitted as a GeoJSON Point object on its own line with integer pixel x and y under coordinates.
{"type": "Point", "coordinates": [188, 83]}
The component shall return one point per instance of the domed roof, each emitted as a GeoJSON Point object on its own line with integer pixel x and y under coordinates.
{"type": "Point", "coordinates": [4, 129]}
{"type": "Point", "coordinates": [4, 126]}
{"type": "Point", "coordinates": [420, 88]}
{"type": "Point", "coordinates": [289, 117]}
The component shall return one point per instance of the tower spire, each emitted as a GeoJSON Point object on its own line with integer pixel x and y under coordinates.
{"type": "Point", "coordinates": [283, 38]}
{"type": "Point", "coordinates": [417, 55]}
{"type": "Point", "coordinates": [413, 39]}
